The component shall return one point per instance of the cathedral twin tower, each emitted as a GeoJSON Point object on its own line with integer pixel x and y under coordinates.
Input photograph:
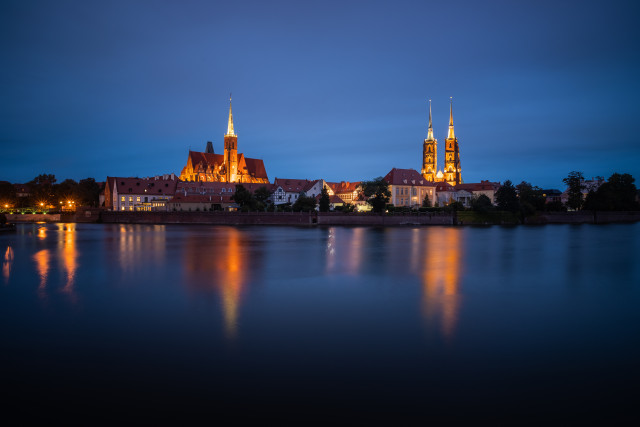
{"type": "Point", "coordinates": [452, 172]}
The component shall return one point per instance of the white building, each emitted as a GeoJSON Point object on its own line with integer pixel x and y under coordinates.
{"type": "Point", "coordinates": [139, 194]}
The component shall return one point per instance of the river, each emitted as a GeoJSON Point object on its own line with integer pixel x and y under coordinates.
{"type": "Point", "coordinates": [430, 323]}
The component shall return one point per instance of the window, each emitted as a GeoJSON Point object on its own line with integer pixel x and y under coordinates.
{"type": "Point", "coordinates": [224, 190]}
{"type": "Point", "coordinates": [138, 199]}
{"type": "Point", "coordinates": [414, 192]}
{"type": "Point", "coordinates": [131, 198]}
{"type": "Point", "coordinates": [122, 198]}
{"type": "Point", "coordinates": [122, 208]}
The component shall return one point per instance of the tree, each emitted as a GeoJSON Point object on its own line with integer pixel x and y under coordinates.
{"type": "Point", "coordinates": [304, 204]}
{"type": "Point", "coordinates": [7, 194]}
{"type": "Point", "coordinates": [426, 203]}
{"type": "Point", "coordinates": [325, 201]}
{"type": "Point", "coordinates": [617, 194]}
{"type": "Point", "coordinates": [507, 197]}
{"type": "Point", "coordinates": [481, 204]}
{"type": "Point", "coordinates": [530, 198]}
{"type": "Point", "coordinates": [42, 188]}
{"type": "Point", "coordinates": [377, 192]}
{"type": "Point", "coordinates": [243, 197]}
{"type": "Point", "coordinates": [574, 182]}
{"type": "Point", "coordinates": [262, 194]}
{"type": "Point", "coordinates": [88, 192]}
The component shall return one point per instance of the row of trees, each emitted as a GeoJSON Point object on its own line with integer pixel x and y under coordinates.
{"type": "Point", "coordinates": [618, 193]}
{"type": "Point", "coordinates": [46, 191]}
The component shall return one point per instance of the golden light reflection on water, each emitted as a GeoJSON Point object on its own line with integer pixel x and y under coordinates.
{"type": "Point", "coordinates": [69, 255]}
{"type": "Point", "coordinates": [225, 270]}
{"type": "Point", "coordinates": [6, 264]}
{"type": "Point", "coordinates": [42, 233]}
{"type": "Point", "coordinates": [43, 260]}
{"type": "Point", "coordinates": [441, 273]}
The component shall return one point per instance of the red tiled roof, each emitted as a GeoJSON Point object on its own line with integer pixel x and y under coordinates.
{"type": "Point", "coordinates": [181, 198]}
{"type": "Point", "coordinates": [139, 185]}
{"type": "Point", "coordinates": [407, 177]}
{"type": "Point", "coordinates": [202, 187]}
{"type": "Point", "coordinates": [443, 186]}
{"type": "Point", "coordinates": [343, 186]}
{"type": "Point", "coordinates": [294, 185]}
{"type": "Point", "coordinates": [479, 186]}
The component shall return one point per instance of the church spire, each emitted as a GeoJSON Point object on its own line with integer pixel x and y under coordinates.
{"type": "Point", "coordinates": [230, 124]}
{"type": "Point", "coordinates": [430, 131]}
{"type": "Point", "coordinates": [451, 134]}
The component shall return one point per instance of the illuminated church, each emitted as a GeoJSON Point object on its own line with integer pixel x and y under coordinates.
{"type": "Point", "coordinates": [228, 167]}
{"type": "Point", "coordinates": [452, 172]}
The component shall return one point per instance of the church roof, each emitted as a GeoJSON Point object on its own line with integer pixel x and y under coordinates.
{"type": "Point", "coordinates": [407, 177]}
{"type": "Point", "coordinates": [255, 167]}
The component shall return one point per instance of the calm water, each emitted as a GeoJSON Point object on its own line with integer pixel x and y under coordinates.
{"type": "Point", "coordinates": [433, 322]}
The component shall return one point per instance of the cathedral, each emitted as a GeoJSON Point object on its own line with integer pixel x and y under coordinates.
{"type": "Point", "coordinates": [228, 167]}
{"type": "Point", "coordinates": [452, 172]}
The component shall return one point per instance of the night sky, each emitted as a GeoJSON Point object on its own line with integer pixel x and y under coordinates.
{"type": "Point", "coordinates": [333, 90]}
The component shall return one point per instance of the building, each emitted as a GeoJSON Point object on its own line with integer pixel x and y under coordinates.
{"type": "Point", "coordinates": [139, 194]}
{"type": "Point", "coordinates": [484, 187]}
{"type": "Point", "coordinates": [452, 171]}
{"type": "Point", "coordinates": [228, 167]}
{"type": "Point", "coordinates": [409, 188]}
{"type": "Point", "coordinates": [349, 192]}
{"type": "Point", "coordinates": [287, 190]}
{"type": "Point", "coordinates": [208, 196]}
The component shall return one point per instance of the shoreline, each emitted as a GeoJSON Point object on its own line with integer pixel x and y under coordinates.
{"type": "Point", "coordinates": [462, 218]}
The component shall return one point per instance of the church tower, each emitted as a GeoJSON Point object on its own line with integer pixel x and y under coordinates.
{"type": "Point", "coordinates": [429, 153]}
{"type": "Point", "coordinates": [452, 171]}
{"type": "Point", "coordinates": [231, 149]}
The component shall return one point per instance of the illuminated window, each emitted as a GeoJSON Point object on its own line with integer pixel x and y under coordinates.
{"type": "Point", "coordinates": [130, 208]}
{"type": "Point", "coordinates": [122, 198]}
{"type": "Point", "coordinates": [131, 198]}
{"type": "Point", "coordinates": [122, 208]}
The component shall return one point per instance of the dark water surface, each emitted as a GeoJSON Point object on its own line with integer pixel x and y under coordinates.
{"type": "Point", "coordinates": [99, 321]}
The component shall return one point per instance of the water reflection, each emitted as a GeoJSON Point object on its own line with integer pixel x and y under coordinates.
{"type": "Point", "coordinates": [441, 276]}
{"type": "Point", "coordinates": [6, 264]}
{"type": "Point", "coordinates": [42, 233]}
{"type": "Point", "coordinates": [42, 259]}
{"type": "Point", "coordinates": [345, 250]}
{"type": "Point", "coordinates": [139, 244]}
{"type": "Point", "coordinates": [69, 255]}
{"type": "Point", "coordinates": [221, 263]}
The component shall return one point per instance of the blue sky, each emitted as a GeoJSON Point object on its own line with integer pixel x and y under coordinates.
{"type": "Point", "coordinates": [333, 90]}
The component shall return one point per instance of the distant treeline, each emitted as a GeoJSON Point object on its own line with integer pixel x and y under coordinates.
{"type": "Point", "coordinates": [44, 190]}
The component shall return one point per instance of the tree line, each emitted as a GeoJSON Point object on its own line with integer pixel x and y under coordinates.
{"type": "Point", "coordinates": [44, 190]}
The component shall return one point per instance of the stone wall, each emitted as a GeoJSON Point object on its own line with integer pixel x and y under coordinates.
{"type": "Point", "coordinates": [275, 218]}
{"type": "Point", "coordinates": [436, 218]}
{"type": "Point", "coordinates": [226, 218]}
{"type": "Point", "coordinates": [40, 217]}
{"type": "Point", "coordinates": [583, 217]}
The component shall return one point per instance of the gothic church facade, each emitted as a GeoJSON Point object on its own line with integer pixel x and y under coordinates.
{"type": "Point", "coordinates": [228, 167]}
{"type": "Point", "coordinates": [452, 172]}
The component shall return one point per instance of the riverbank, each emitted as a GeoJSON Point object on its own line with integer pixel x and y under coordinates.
{"type": "Point", "coordinates": [330, 218]}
